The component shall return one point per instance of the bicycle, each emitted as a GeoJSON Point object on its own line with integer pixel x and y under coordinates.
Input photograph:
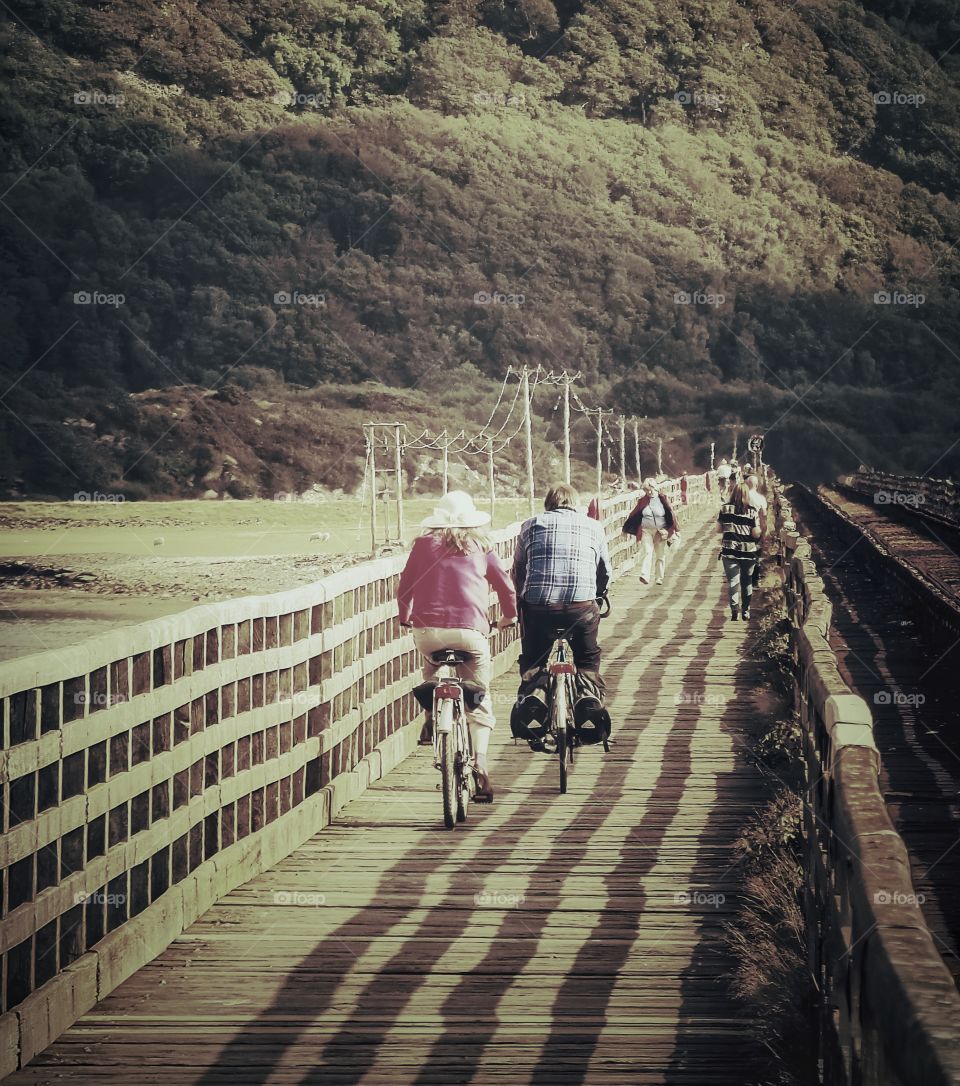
{"type": "Point", "coordinates": [561, 699]}
{"type": "Point", "coordinates": [561, 696]}
{"type": "Point", "coordinates": [452, 747]}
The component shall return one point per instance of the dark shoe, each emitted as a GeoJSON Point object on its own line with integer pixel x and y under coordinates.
{"type": "Point", "coordinates": [643, 580]}
{"type": "Point", "coordinates": [734, 614]}
{"type": "Point", "coordinates": [426, 733]}
{"type": "Point", "coordinates": [484, 789]}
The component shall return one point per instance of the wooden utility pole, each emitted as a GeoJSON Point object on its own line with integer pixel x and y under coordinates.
{"type": "Point", "coordinates": [623, 452]}
{"type": "Point", "coordinates": [659, 457]}
{"type": "Point", "coordinates": [398, 467]}
{"type": "Point", "coordinates": [566, 430]}
{"type": "Point", "coordinates": [493, 494]}
{"type": "Point", "coordinates": [636, 449]}
{"type": "Point", "coordinates": [525, 389]}
{"type": "Point", "coordinates": [446, 459]}
{"type": "Point", "coordinates": [599, 452]}
{"type": "Point", "coordinates": [736, 437]}
{"type": "Point", "coordinates": [372, 462]}
{"type": "Point", "coordinates": [713, 446]}
{"type": "Point", "coordinates": [376, 435]}
{"type": "Point", "coordinates": [600, 414]}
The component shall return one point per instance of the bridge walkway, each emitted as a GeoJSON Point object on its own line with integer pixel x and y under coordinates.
{"type": "Point", "coordinates": [552, 940]}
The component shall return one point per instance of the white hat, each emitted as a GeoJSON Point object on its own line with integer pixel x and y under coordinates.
{"type": "Point", "coordinates": [456, 510]}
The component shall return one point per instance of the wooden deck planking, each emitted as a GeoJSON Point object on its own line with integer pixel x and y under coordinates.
{"type": "Point", "coordinates": [544, 942]}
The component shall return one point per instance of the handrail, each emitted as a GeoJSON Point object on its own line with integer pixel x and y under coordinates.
{"type": "Point", "coordinates": [889, 1006]}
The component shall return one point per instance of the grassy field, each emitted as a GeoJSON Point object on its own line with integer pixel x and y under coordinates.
{"type": "Point", "coordinates": [197, 529]}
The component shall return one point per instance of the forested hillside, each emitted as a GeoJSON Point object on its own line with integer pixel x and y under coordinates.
{"type": "Point", "coordinates": [719, 212]}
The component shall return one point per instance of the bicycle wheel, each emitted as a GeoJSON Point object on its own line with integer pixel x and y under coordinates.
{"type": "Point", "coordinates": [463, 766]}
{"type": "Point", "coordinates": [558, 725]}
{"type": "Point", "coordinates": [448, 767]}
{"type": "Point", "coordinates": [571, 727]}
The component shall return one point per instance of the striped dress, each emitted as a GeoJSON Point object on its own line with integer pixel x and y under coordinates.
{"type": "Point", "coordinates": [738, 541]}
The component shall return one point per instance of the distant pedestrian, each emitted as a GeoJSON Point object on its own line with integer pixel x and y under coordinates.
{"type": "Point", "coordinates": [653, 522]}
{"type": "Point", "coordinates": [723, 474]}
{"type": "Point", "coordinates": [684, 484]}
{"type": "Point", "coordinates": [593, 509]}
{"type": "Point", "coordinates": [739, 549]}
{"type": "Point", "coordinates": [758, 502]}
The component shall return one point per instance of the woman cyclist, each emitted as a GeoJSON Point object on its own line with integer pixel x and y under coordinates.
{"type": "Point", "coordinates": [444, 594]}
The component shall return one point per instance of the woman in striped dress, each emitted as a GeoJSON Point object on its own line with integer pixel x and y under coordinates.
{"type": "Point", "coordinates": [740, 549]}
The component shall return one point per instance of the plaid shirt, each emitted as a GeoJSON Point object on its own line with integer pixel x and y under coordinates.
{"type": "Point", "coordinates": [561, 557]}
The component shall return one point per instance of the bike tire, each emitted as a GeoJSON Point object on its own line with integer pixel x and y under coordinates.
{"type": "Point", "coordinates": [464, 771]}
{"type": "Point", "coordinates": [448, 776]}
{"type": "Point", "coordinates": [558, 725]}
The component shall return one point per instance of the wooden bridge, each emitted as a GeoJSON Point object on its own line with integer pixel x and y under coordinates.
{"type": "Point", "coordinates": [551, 940]}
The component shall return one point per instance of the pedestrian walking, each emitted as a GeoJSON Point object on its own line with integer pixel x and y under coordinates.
{"type": "Point", "coordinates": [654, 523]}
{"type": "Point", "coordinates": [740, 547]}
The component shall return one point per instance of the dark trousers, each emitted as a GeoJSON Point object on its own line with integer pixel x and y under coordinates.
{"type": "Point", "coordinates": [579, 622]}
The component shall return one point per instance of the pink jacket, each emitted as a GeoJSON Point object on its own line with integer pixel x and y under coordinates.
{"type": "Point", "coordinates": [442, 588]}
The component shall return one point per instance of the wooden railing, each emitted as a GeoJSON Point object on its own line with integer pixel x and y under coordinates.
{"type": "Point", "coordinates": [148, 772]}
{"type": "Point", "coordinates": [889, 1007]}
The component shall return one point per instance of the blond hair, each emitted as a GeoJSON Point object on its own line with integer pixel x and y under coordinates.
{"type": "Point", "coordinates": [561, 496]}
{"type": "Point", "coordinates": [463, 540]}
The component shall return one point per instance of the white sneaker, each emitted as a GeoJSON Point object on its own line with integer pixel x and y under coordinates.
{"type": "Point", "coordinates": [659, 580]}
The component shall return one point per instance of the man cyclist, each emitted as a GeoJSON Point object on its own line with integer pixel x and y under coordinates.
{"type": "Point", "coordinates": [561, 567]}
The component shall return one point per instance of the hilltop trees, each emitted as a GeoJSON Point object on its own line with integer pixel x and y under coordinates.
{"type": "Point", "coordinates": [713, 212]}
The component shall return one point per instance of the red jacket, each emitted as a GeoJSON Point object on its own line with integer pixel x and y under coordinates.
{"type": "Point", "coordinates": [441, 587]}
{"type": "Point", "coordinates": [633, 525]}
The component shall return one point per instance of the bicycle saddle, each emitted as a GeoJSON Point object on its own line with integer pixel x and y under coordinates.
{"type": "Point", "coordinates": [459, 656]}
